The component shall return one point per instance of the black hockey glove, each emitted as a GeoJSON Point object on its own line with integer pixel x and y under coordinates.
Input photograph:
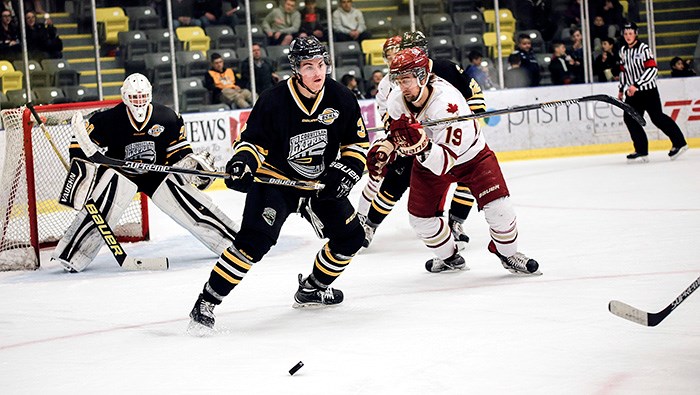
{"type": "Point", "coordinates": [241, 176]}
{"type": "Point", "coordinates": [339, 180]}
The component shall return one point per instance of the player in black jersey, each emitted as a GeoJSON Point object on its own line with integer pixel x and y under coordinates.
{"type": "Point", "coordinates": [307, 128]}
{"type": "Point", "coordinates": [397, 177]}
{"type": "Point", "coordinates": [140, 131]}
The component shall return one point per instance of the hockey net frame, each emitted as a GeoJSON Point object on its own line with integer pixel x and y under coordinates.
{"type": "Point", "coordinates": [32, 177]}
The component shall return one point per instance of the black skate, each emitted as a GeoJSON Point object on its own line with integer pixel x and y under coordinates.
{"type": "Point", "coordinates": [307, 295]}
{"type": "Point", "coordinates": [369, 234]}
{"type": "Point", "coordinates": [461, 238]}
{"type": "Point", "coordinates": [675, 152]}
{"type": "Point", "coordinates": [202, 315]}
{"type": "Point", "coordinates": [635, 157]}
{"type": "Point", "coordinates": [518, 263]}
{"type": "Point", "coordinates": [437, 265]}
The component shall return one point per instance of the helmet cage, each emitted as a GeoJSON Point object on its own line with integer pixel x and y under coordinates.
{"type": "Point", "coordinates": [414, 40]}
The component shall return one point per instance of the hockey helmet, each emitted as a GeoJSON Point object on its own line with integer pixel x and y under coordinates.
{"type": "Point", "coordinates": [307, 48]}
{"type": "Point", "coordinates": [631, 26]}
{"type": "Point", "coordinates": [391, 43]}
{"type": "Point", "coordinates": [412, 61]}
{"type": "Point", "coordinates": [136, 94]}
{"type": "Point", "coordinates": [414, 39]}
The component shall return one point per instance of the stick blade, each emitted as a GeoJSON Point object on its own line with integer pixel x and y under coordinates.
{"type": "Point", "coordinates": [133, 264]}
{"type": "Point", "coordinates": [628, 312]}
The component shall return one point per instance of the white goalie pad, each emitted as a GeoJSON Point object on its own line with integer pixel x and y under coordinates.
{"type": "Point", "coordinates": [78, 184]}
{"type": "Point", "coordinates": [195, 211]}
{"type": "Point", "coordinates": [82, 241]}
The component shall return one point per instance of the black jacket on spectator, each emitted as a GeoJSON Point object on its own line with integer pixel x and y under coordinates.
{"type": "Point", "coordinates": [263, 75]}
{"type": "Point", "coordinates": [612, 62]}
{"type": "Point", "coordinates": [43, 42]}
{"type": "Point", "coordinates": [528, 61]}
{"type": "Point", "coordinates": [561, 74]}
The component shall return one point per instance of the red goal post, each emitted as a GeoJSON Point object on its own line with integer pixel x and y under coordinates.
{"type": "Point", "coordinates": [32, 177]}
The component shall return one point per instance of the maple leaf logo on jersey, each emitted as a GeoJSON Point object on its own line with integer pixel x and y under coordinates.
{"type": "Point", "coordinates": [452, 108]}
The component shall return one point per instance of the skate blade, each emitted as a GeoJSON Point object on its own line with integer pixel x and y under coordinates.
{"type": "Point", "coordinates": [525, 274]}
{"type": "Point", "coordinates": [198, 330]}
{"type": "Point", "coordinates": [639, 160]}
{"type": "Point", "coordinates": [312, 306]}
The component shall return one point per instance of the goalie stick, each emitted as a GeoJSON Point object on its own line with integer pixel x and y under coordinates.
{"type": "Point", "coordinates": [641, 317]}
{"type": "Point", "coordinates": [103, 228]}
{"type": "Point", "coordinates": [95, 156]}
{"type": "Point", "coordinates": [556, 103]}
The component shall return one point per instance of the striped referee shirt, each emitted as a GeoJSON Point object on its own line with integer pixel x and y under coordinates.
{"type": "Point", "coordinates": [637, 67]}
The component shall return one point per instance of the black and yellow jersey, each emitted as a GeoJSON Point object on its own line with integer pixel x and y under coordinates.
{"type": "Point", "coordinates": [161, 139]}
{"type": "Point", "coordinates": [293, 137]}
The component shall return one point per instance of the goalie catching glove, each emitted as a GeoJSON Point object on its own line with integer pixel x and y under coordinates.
{"type": "Point", "coordinates": [199, 161]}
{"type": "Point", "coordinates": [408, 136]}
{"type": "Point", "coordinates": [338, 180]}
{"type": "Point", "coordinates": [380, 154]}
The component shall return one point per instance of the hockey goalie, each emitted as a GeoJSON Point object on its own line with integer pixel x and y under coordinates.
{"type": "Point", "coordinates": [140, 131]}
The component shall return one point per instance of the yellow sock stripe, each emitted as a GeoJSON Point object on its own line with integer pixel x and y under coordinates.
{"type": "Point", "coordinates": [379, 209]}
{"type": "Point", "coordinates": [225, 275]}
{"type": "Point", "coordinates": [329, 263]}
{"type": "Point", "coordinates": [469, 203]}
{"type": "Point", "coordinates": [234, 260]}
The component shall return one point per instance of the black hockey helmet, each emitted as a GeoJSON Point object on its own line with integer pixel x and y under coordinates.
{"type": "Point", "coordinates": [307, 48]}
{"type": "Point", "coordinates": [414, 39]}
{"type": "Point", "coordinates": [631, 26]}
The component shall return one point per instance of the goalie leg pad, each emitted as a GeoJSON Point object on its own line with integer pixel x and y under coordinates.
{"type": "Point", "coordinates": [82, 241]}
{"type": "Point", "coordinates": [194, 211]}
{"type": "Point", "coordinates": [500, 216]}
{"type": "Point", "coordinates": [78, 184]}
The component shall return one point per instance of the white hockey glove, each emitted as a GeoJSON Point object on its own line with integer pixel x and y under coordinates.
{"type": "Point", "coordinates": [200, 161]}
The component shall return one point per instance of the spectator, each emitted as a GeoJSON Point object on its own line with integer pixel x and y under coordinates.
{"type": "Point", "coordinates": [350, 82]}
{"type": "Point", "coordinates": [183, 14]}
{"type": "Point", "coordinates": [528, 60]}
{"type": "Point", "coordinates": [681, 68]}
{"type": "Point", "coordinates": [349, 23]}
{"type": "Point", "coordinates": [208, 11]}
{"type": "Point", "coordinates": [561, 65]}
{"type": "Point", "coordinates": [599, 31]}
{"type": "Point", "coordinates": [476, 71]}
{"type": "Point", "coordinates": [516, 76]}
{"type": "Point", "coordinates": [13, 7]}
{"type": "Point", "coordinates": [576, 52]}
{"type": "Point", "coordinates": [222, 83]}
{"type": "Point", "coordinates": [377, 76]}
{"type": "Point", "coordinates": [311, 21]}
{"type": "Point", "coordinates": [42, 39]}
{"type": "Point", "coordinates": [265, 77]}
{"type": "Point", "coordinates": [607, 65]}
{"type": "Point", "coordinates": [611, 11]}
{"type": "Point", "coordinates": [10, 47]}
{"type": "Point", "coordinates": [282, 24]}
{"type": "Point", "coordinates": [572, 14]}
{"type": "Point", "coordinates": [229, 16]}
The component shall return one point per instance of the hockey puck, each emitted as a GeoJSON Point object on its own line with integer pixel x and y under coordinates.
{"type": "Point", "coordinates": [295, 368]}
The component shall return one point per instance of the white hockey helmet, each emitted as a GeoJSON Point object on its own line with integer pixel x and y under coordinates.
{"type": "Point", "coordinates": [136, 94]}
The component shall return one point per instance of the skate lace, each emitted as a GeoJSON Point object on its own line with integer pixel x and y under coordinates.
{"type": "Point", "coordinates": [456, 228]}
{"type": "Point", "coordinates": [518, 261]}
{"type": "Point", "coordinates": [326, 295]}
{"type": "Point", "coordinates": [206, 309]}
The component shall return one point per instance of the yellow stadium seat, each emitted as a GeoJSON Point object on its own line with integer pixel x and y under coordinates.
{"type": "Point", "coordinates": [9, 78]}
{"type": "Point", "coordinates": [373, 50]}
{"type": "Point", "coordinates": [506, 19]}
{"type": "Point", "coordinates": [111, 21]}
{"type": "Point", "coordinates": [625, 7]}
{"type": "Point", "coordinates": [194, 38]}
{"type": "Point", "coordinates": [507, 44]}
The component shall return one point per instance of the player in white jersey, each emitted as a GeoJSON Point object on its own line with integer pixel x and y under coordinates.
{"type": "Point", "coordinates": [447, 153]}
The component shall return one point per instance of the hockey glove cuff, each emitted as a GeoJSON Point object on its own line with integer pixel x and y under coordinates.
{"type": "Point", "coordinates": [380, 154]}
{"type": "Point", "coordinates": [240, 173]}
{"type": "Point", "coordinates": [339, 180]}
{"type": "Point", "coordinates": [408, 136]}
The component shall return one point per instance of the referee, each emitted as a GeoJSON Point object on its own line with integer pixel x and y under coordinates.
{"type": "Point", "coordinates": [638, 82]}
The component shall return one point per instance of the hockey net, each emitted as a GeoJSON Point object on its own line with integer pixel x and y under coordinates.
{"type": "Point", "coordinates": [32, 177]}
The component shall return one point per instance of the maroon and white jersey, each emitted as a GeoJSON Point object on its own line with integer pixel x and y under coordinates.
{"type": "Point", "coordinates": [383, 90]}
{"type": "Point", "coordinates": [454, 143]}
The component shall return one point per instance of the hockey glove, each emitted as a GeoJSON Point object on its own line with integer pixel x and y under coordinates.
{"type": "Point", "coordinates": [408, 136]}
{"type": "Point", "coordinates": [339, 180]}
{"type": "Point", "coordinates": [204, 161]}
{"type": "Point", "coordinates": [241, 176]}
{"type": "Point", "coordinates": [380, 154]}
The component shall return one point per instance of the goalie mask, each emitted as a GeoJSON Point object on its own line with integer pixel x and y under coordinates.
{"type": "Point", "coordinates": [136, 94]}
{"type": "Point", "coordinates": [307, 48]}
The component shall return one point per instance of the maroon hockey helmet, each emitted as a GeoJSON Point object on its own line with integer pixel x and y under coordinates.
{"type": "Point", "coordinates": [412, 61]}
{"type": "Point", "coordinates": [391, 43]}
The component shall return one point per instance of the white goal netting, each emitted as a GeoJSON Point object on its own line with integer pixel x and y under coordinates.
{"type": "Point", "coordinates": [32, 177]}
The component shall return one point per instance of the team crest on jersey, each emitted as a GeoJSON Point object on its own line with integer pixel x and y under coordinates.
{"type": "Point", "coordinates": [452, 108]}
{"type": "Point", "coordinates": [306, 152]}
{"type": "Point", "coordinates": [269, 214]}
{"type": "Point", "coordinates": [328, 116]}
{"type": "Point", "coordinates": [140, 151]}
{"type": "Point", "coordinates": [156, 130]}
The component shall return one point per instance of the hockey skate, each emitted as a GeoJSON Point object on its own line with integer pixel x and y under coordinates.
{"type": "Point", "coordinates": [461, 238]}
{"type": "Point", "coordinates": [518, 263]}
{"type": "Point", "coordinates": [307, 295]}
{"type": "Point", "coordinates": [639, 158]}
{"type": "Point", "coordinates": [675, 152]}
{"type": "Point", "coordinates": [202, 315]}
{"type": "Point", "coordinates": [369, 233]}
{"type": "Point", "coordinates": [437, 265]}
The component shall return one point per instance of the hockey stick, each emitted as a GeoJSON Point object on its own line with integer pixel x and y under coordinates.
{"type": "Point", "coordinates": [556, 103]}
{"type": "Point", "coordinates": [103, 228]}
{"type": "Point", "coordinates": [92, 152]}
{"type": "Point", "coordinates": [634, 314]}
